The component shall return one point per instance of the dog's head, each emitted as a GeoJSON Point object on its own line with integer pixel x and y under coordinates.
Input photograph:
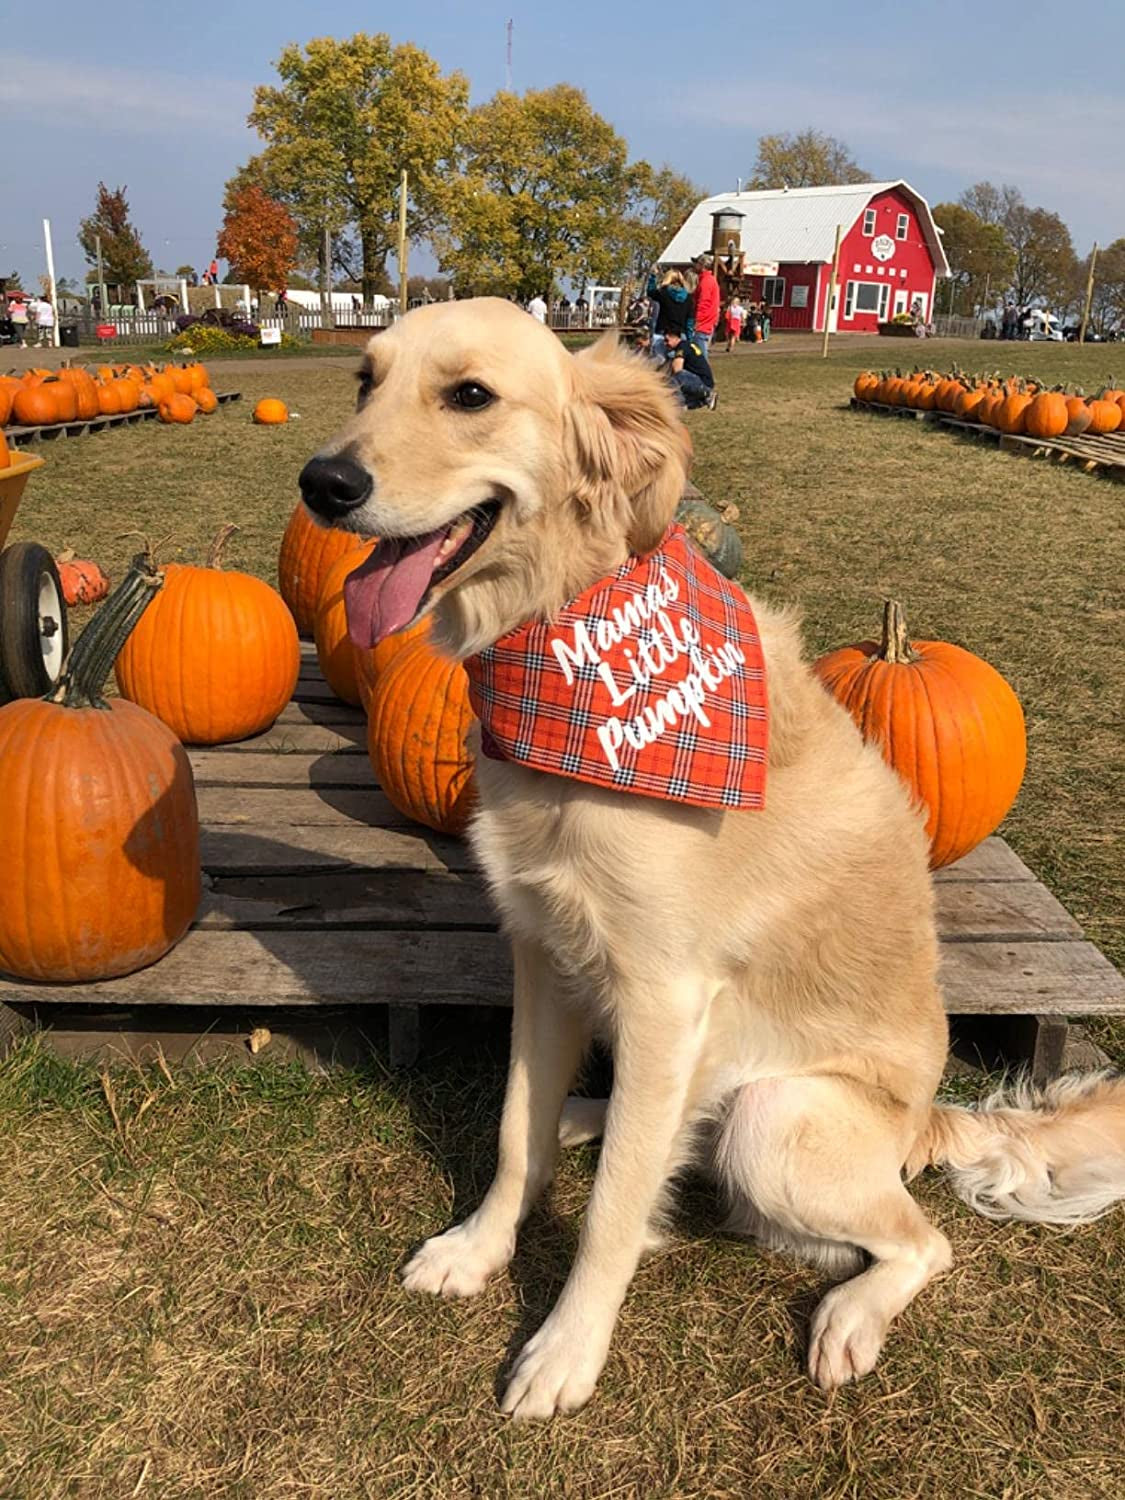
{"type": "Point", "coordinates": [501, 474]}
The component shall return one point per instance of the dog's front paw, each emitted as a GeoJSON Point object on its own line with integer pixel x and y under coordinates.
{"type": "Point", "coordinates": [847, 1337]}
{"type": "Point", "coordinates": [556, 1371]}
{"type": "Point", "coordinates": [457, 1263]}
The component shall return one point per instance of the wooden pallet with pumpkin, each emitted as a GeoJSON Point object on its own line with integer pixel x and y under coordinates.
{"type": "Point", "coordinates": [83, 427]}
{"type": "Point", "coordinates": [319, 894]}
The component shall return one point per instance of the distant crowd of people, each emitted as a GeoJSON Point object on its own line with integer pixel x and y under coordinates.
{"type": "Point", "coordinates": [27, 318]}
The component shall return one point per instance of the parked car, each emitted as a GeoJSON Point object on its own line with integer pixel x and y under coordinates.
{"type": "Point", "coordinates": [1072, 330]}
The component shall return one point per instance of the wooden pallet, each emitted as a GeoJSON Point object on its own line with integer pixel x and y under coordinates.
{"type": "Point", "coordinates": [48, 431]}
{"type": "Point", "coordinates": [1103, 453]}
{"type": "Point", "coordinates": [319, 894]}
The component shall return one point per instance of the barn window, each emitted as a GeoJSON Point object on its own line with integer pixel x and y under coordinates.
{"type": "Point", "coordinates": [902, 228]}
{"type": "Point", "coordinates": [773, 290]}
{"type": "Point", "coordinates": [866, 297]}
{"type": "Point", "coordinates": [869, 222]}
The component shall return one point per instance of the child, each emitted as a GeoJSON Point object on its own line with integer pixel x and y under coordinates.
{"type": "Point", "coordinates": [735, 314]}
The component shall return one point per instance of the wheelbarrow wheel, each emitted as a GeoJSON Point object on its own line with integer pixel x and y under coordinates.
{"type": "Point", "coordinates": [33, 630]}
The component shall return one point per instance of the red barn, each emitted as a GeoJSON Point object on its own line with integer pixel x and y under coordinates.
{"type": "Point", "coordinates": [890, 253]}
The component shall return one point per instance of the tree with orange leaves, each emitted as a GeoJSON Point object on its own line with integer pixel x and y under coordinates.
{"type": "Point", "coordinates": [258, 239]}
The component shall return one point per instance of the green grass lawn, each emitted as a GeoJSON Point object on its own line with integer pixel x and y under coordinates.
{"type": "Point", "coordinates": [198, 1288]}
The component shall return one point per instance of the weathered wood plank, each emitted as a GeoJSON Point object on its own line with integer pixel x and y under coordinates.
{"type": "Point", "coordinates": [236, 851]}
{"type": "Point", "coordinates": [305, 968]}
{"type": "Point", "coordinates": [987, 911]}
{"type": "Point", "coordinates": [264, 768]}
{"type": "Point", "coordinates": [461, 967]}
{"type": "Point", "coordinates": [334, 712]}
{"type": "Point", "coordinates": [1036, 978]}
{"type": "Point", "coordinates": [314, 689]}
{"type": "Point", "coordinates": [992, 860]}
{"type": "Point", "coordinates": [349, 898]}
{"type": "Point", "coordinates": [280, 808]}
{"type": "Point", "coordinates": [991, 910]}
{"type": "Point", "coordinates": [305, 739]}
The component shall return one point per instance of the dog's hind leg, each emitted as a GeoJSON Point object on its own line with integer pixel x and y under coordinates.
{"type": "Point", "coordinates": [582, 1120]}
{"type": "Point", "coordinates": [820, 1159]}
{"type": "Point", "coordinates": [548, 1039]}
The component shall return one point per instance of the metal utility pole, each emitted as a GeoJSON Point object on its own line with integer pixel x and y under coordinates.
{"type": "Point", "coordinates": [403, 297]}
{"type": "Point", "coordinates": [326, 280]}
{"type": "Point", "coordinates": [1089, 294]}
{"type": "Point", "coordinates": [53, 294]}
{"type": "Point", "coordinates": [831, 290]}
{"type": "Point", "coordinates": [101, 279]}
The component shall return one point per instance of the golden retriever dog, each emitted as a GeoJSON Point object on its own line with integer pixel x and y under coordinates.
{"type": "Point", "coordinates": [766, 980]}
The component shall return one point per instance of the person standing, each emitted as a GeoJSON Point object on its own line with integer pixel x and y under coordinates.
{"type": "Point", "coordinates": [705, 316]}
{"type": "Point", "coordinates": [45, 321]}
{"type": "Point", "coordinates": [735, 314]}
{"type": "Point", "coordinates": [673, 307]}
{"type": "Point", "coordinates": [538, 308]}
{"type": "Point", "coordinates": [17, 311]}
{"type": "Point", "coordinates": [214, 272]}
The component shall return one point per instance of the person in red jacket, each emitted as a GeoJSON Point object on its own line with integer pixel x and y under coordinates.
{"type": "Point", "coordinates": [706, 301]}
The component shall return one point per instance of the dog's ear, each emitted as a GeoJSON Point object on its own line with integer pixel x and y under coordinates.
{"type": "Point", "coordinates": [626, 445]}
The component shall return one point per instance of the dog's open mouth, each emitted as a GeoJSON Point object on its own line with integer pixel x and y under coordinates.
{"type": "Point", "coordinates": [386, 592]}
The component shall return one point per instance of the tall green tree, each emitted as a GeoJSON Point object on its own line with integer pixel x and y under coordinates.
{"type": "Point", "coordinates": [981, 261]}
{"type": "Point", "coordinates": [124, 257]}
{"type": "Point", "coordinates": [346, 118]}
{"type": "Point", "coordinates": [809, 158]}
{"type": "Point", "coordinates": [541, 195]}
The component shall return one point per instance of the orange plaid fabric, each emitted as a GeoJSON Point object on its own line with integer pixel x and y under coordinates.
{"type": "Point", "coordinates": [651, 681]}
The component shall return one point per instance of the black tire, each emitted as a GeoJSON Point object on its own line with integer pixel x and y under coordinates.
{"type": "Point", "coordinates": [33, 627]}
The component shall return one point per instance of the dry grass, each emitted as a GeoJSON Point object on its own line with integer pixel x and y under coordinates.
{"type": "Point", "coordinates": [198, 1287]}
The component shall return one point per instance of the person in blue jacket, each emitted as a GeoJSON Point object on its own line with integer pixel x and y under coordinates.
{"type": "Point", "coordinates": [673, 307]}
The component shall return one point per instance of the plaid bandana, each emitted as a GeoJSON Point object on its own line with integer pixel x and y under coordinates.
{"type": "Point", "coordinates": [652, 681]}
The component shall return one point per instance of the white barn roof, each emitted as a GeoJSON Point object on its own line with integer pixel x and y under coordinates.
{"type": "Point", "coordinates": [794, 224]}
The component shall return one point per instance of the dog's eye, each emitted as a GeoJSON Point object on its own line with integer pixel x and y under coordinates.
{"type": "Point", "coordinates": [366, 383]}
{"type": "Point", "coordinates": [470, 396]}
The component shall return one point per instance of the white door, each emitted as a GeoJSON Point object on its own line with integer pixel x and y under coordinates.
{"type": "Point", "coordinates": [901, 301]}
{"type": "Point", "coordinates": [834, 310]}
{"type": "Point", "coordinates": [922, 300]}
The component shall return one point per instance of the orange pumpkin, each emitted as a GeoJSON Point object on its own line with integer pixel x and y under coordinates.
{"type": "Point", "coordinates": [270, 412]}
{"type": "Point", "coordinates": [1078, 416]}
{"type": "Point", "coordinates": [5, 453]}
{"type": "Point", "coordinates": [85, 392]}
{"type": "Point", "coordinates": [416, 726]}
{"type": "Point", "coordinates": [866, 384]}
{"type": "Point", "coordinates": [180, 377]}
{"type": "Point", "coordinates": [205, 398]}
{"type": "Point", "coordinates": [83, 582]}
{"type": "Point", "coordinates": [36, 403]}
{"type": "Point", "coordinates": [109, 398]}
{"type": "Point", "coordinates": [1047, 415]}
{"type": "Point", "coordinates": [334, 650]}
{"type": "Point", "coordinates": [102, 861]}
{"type": "Point", "coordinates": [1105, 416]}
{"type": "Point", "coordinates": [1012, 412]}
{"type": "Point", "coordinates": [946, 721]}
{"type": "Point", "coordinates": [216, 657]}
{"type": "Point", "coordinates": [8, 389]}
{"type": "Point", "coordinates": [178, 409]}
{"type": "Point", "coordinates": [308, 552]}
{"type": "Point", "coordinates": [369, 664]}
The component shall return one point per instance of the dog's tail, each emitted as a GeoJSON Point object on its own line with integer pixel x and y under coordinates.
{"type": "Point", "coordinates": [1052, 1155]}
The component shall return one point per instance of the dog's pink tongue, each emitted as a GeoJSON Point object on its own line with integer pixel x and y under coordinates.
{"type": "Point", "coordinates": [384, 592]}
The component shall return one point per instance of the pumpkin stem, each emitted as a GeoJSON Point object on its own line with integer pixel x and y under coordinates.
{"type": "Point", "coordinates": [895, 645]}
{"type": "Point", "coordinates": [222, 538]}
{"type": "Point", "coordinates": [92, 656]}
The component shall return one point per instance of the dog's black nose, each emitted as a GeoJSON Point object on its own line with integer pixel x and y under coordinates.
{"type": "Point", "coordinates": [333, 486]}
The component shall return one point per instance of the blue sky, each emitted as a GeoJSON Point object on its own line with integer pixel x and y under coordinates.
{"type": "Point", "coordinates": [156, 96]}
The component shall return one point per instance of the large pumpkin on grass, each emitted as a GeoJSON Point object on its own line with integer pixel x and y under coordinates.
{"type": "Point", "coordinates": [946, 721]}
{"type": "Point", "coordinates": [417, 721]}
{"type": "Point", "coordinates": [217, 655]}
{"type": "Point", "coordinates": [101, 834]}
{"type": "Point", "coordinates": [307, 554]}
{"type": "Point", "coordinates": [176, 408]}
{"type": "Point", "coordinates": [334, 649]}
{"type": "Point", "coordinates": [205, 398]}
{"type": "Point", "coordinates": [270, 412]}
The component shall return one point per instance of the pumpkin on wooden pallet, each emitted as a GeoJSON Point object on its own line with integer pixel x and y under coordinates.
{"type": "Point", "coordinates": [947, 722]}
{"type": "Point", "coordinates": [369, 664]}
{"type": "Point", "coordinates": [216, 657]}
{"type": "Point", "coordinates": [308, 551]}
{"type": "Point", "coordinates": [334, 649]}
{"type": "Point", "coordinates": [102, 872]}
{"type": "Point", "coordinates": [417, 721]}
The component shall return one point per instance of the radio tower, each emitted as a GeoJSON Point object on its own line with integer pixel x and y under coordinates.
{"type": "Point", "coordinates": [508, 68]}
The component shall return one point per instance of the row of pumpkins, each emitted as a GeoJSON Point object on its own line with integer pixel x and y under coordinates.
{"type": "Point", "coordinates": [104, 869]}
{"type": "Point", "coordinates": [76, 394]}
{"type": "Point", "coordinates": [1011, 406]}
